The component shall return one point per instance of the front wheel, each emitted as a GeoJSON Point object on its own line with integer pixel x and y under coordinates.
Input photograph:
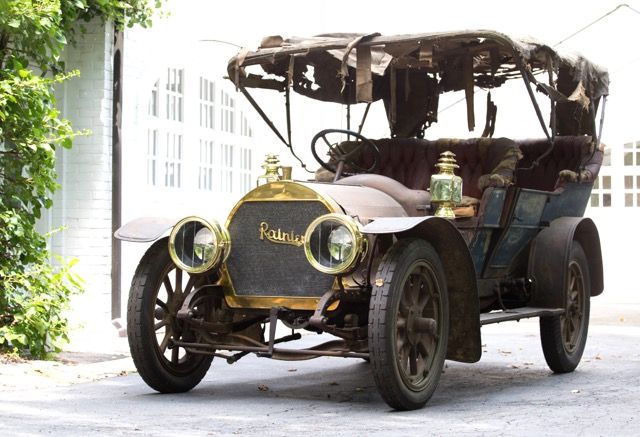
{"type": "Point", "coordinates": [564, 336]}
{"type": "Point", "coordinates": [157, 292]}
{"type": "Point", "coordinates": [408, 324]}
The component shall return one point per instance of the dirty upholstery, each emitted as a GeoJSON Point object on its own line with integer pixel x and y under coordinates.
{"type": "Point", "coordinates": [571, 160]}
{"type": "Point", "coordinates": [412, 161]}
{"type": "Point", "coordinates": [406, 165]}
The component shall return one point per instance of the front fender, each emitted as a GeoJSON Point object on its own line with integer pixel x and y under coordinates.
{"type": "Point", "coordinates": [144, 229]}
{"type": "Point", "coordinates": [464, 313]}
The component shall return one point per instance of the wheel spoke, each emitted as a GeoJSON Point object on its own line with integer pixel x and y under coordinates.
{"type": "Point", "coordinates": [190, 283]}
{"type": "Point", "coordinates": [569, 331]}
{"type": "Point", "coordinates": [423, 349]}
{"type": "Point", "coordinates": [162, 305]}
{"type": "Point", "coordinates": [175, 352]}
{"type": "Point", "coordinates": [161, 324]}
{"type": "Point", "coordinates": [413, 361]}
{"type": "Point", "coordinates": [167, 285]}
{"type": "Point", "coordinates": [570, 326]}
{"type": "Point", "coordinates": [404, 352]}
{"type": "Point", "coordinates": [405, 305]}
{"type": "Point", "coordinates": [165, 341]}
{"type": "Point", "coordinates": [178, 282]}
{"type": "Point", "coordinates": [572, 281]}
{"type": "Point", "coordinates": [573, 296]}
{"type": "Point", "coordinates": [416, 283]}
{"type": "Point", "coordinates": [424, 299]}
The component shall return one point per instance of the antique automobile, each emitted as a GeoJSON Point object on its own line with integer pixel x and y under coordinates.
{"type": "Point", "coordinates": [401, 248]}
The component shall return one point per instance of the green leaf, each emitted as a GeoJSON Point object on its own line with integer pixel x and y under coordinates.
{"type": "Point", "coordinates": [34, 293]}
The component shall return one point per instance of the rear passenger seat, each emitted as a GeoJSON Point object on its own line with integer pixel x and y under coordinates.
{"type": "Point", "coordinates": [571, 154]}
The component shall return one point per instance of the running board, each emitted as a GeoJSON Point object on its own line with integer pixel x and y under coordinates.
{"type": "Point", "coordinates": [517, 314]}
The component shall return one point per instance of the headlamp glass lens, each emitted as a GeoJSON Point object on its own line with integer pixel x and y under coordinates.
{"type": "Point", "coordinates": [195, 245]}
{"type": "Point", "coordinates": [340, 244]}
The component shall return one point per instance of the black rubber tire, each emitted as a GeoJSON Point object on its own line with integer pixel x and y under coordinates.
{"type": "Point", "coordinates": [560, 356]}
{"type": "Point", "coordinates": [395, 269]}
{"type": "Point", "coordinates": [160, 373]}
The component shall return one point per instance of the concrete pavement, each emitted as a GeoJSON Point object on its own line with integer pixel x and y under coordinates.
{"type": "Point", "coordinates": [509, 392]}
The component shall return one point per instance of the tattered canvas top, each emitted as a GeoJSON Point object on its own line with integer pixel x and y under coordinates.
{"type": "Point", "coordinates": [410, 71]}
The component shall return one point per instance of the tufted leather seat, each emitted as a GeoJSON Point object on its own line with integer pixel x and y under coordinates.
{"type": "Point", "coordinates": [412, 161]}
{"type": "Point", "coordinates": [569, 153]}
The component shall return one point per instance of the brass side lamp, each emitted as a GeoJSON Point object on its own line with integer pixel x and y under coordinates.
{"type": "Point", "coordinates": [271, 166]}
{"type": "Point", "coordinates": [446, 187]}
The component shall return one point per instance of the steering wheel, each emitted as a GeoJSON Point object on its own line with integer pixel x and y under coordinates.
{"type": "Point", "coordinates": [338, 156]}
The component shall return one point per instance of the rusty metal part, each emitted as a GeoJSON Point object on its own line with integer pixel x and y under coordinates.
{"type": "Point", "coordinates": [334, 348]}
{"type": "Point", "coordinates": [235, 357]}
{"type": "Point", "coordinates": [319, 319]}
{"type": "Point", "coordinates": [238, 342]}
{"type": "Point", "coordinates": [187, 312]}
{"type": "Point", "coordinates": [273, 321]}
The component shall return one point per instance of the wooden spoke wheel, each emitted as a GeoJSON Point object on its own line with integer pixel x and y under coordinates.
{"type": "Point", "coordinates": [564, 336]}
{"type": "Point", "coordinates": [408, 324]}
{"type": "Point", "coordinates": [157, 293]}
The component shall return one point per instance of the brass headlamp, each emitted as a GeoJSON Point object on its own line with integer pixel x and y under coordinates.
{"type": "Point", "coordinates": [197, 245]}
{"type": "Point", "coordinates": [446, 187]}
{"type": "Point", "coordinates": [334, 243]}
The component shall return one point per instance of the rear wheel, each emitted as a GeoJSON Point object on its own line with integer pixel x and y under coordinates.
{"type": "Point", "coordinates": [564, 336]}
{"type": "Point", "coordinates": [157, 292]}
{"type": "Point", "coordinates": [408, 324]}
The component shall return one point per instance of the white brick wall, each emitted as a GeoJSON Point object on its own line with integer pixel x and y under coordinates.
{"type": "Point", "coordinates": [83, 204]}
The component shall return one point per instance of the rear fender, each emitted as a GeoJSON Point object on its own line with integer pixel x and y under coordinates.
{"type": "Point", "coordinates": [464, 313]}
{"type": "Point", "coordinates": [144, 229]}
{"type": "Point", "coordinates": [549, 256]}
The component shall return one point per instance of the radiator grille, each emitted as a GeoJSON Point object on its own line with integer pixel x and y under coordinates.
{"type": "Point", "coordinates": [264, 268]}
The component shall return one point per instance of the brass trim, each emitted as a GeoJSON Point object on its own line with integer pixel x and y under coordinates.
{"type": "Point", "coordinates": [360, 242]}
{"type": "Point", "coordinates": [279, 191]}
{"type": "Point", "coordinates": [222, 243]}
{"type": "Point", "coordinates": [284, 191]}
